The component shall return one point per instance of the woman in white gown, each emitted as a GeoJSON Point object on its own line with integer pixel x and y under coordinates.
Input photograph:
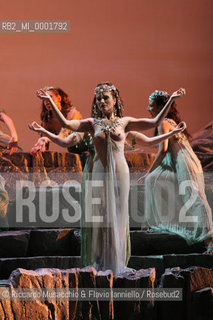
{"type": "Point", "coordinates": [105, 237]}
{"type": "Point", "coordinates": [175, 199]}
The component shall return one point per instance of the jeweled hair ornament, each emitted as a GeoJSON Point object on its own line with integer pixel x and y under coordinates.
{"type": "Point", "coordinates": [157, 94]}
{"type": "Point", "coordinates": [104, 88]}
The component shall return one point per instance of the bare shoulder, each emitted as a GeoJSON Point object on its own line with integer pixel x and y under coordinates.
{"type": "Point", "coordinates": [89, 121]}
{"type": "Point", "coordinates": [126, 120]}
{"type": "Point", "coordinates": [165, 126]}
{"type": "Point", "coordinates": [169, 122]}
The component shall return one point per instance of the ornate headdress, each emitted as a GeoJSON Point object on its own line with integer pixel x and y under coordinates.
{"type": "Point", "coordinates": [156, 94]}
{"type": "Point", "coordinates": [104, 88]}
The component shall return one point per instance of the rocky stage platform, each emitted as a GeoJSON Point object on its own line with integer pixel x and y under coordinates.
{"type": "Point", "coordinates": [48, 255]}
{"type": "Point", "coordinates": [50, 259]}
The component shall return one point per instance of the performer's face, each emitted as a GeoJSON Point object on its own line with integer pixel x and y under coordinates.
{"type": "Point", "coordinates": [56, 99]}
{"type": "Point", "coordinates": [105, 102]}
{"type": "Point", "coordinates": [153, 108]}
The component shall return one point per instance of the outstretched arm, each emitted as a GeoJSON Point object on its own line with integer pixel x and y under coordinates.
{"type": "Point", "coordinates": [74, 125]}
{"type": "Point", "coordinates": [42, 142]}
{"type": "Point", "coordinates": [13, 142]}
{"type": "Point", "coordinates": [71, 140]}
{"type": "Point", "coordinates": [142, 139]}
{"type": "Point", "coordinates": [146, 123]}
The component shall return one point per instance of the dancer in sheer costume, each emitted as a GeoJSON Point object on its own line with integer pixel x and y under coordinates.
{"type": "Point", "coordinates": [174, 186]}
{"type": "Point", "coordinates": [105, 243]}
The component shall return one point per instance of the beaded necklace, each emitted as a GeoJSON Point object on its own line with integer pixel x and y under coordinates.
{"type": "Point", "coordinates": [107, 127]}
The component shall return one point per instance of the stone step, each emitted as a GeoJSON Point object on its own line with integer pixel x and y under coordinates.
{"type": "Point", "coordinates": [85, 304]}
{"type": "Point", "coordinates": [66, 242]}
{"type": "Point", "coordinates": [45, 242]}
{"type": "Point", "coordinates": [162, 262]}
{"type": "Point", "coordinates": [159, 262]}
{"type": "Point", "coordinates": [196, 302]}
{"type": "Point", "coordinates": [154, 243]}
{"type": "Point", "coordinates": [7, 265]}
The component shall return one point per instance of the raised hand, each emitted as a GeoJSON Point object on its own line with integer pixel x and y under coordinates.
{"type": "Point", "coordinates": [39, 146]}
{"type": "Point", "coordinates": [42, 94]}
{"type": "Point", "coordinates": [179, 93]}
{"type": "Point", "coordinates": [36, 127]}
{"type": "Point", "coordinates": [180, 127]}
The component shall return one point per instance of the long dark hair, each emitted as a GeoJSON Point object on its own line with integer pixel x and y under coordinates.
{"type": "Point", "coordinates": [96, 113]}
{"type": "Point", "coordinates": [66, 104]}
{"type": "Point", "coordinates": [161, 98]}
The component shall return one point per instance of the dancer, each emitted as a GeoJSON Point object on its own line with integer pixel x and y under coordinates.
{"type": "Point", "coordinates": [6, 141]}
{"type": "Point", "coordinates": [106, 242]}
{"type": "Point", "coordinates": [175, 199]}
{"type": "Point", "coordinates": [10, 143]}
{"type": "Point", "coordinates": [49, 120]}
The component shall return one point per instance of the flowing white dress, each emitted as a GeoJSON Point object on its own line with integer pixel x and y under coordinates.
{"type": "Point", "coordinates": [105, 221]}
{"type": "Point", "coordinates": [175, 199]}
